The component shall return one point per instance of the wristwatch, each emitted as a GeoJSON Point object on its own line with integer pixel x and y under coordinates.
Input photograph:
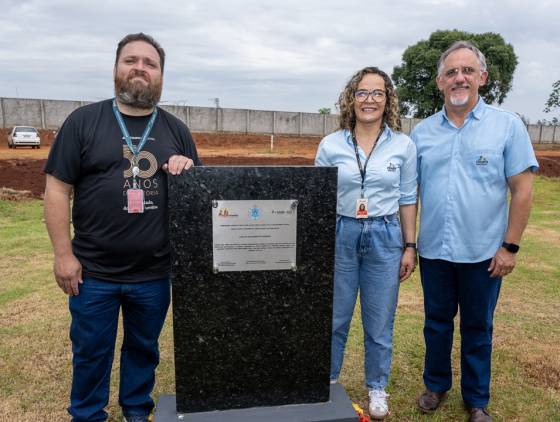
{"type": "Point", "coordinates": [510, 247]}
{"type": "Point", "coordinates": [410, 245]}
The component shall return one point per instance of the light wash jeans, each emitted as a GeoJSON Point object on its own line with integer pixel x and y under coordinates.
{"type": "Point", "coordinates": [368, 254]}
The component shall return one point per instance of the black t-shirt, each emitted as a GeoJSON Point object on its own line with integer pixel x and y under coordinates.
{"type": "Point", "coordinates": [91, 154]}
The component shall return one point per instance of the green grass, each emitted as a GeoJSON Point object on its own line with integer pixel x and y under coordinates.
{"type": "Point", "coordinates": [35, 351]}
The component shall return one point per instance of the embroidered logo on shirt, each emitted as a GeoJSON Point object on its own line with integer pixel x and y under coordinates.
{"type": "Point", "coordinates": [482, 161]}
{"type": "Point", "coordinates": [392, 167]}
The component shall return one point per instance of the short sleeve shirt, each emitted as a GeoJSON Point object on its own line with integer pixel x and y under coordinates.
{"type": "Point", "coordinates": [462, 176]}
{"type": "Point", "coordinates": [91, 154]}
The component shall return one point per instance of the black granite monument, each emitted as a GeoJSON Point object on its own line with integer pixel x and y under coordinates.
{"type": "Point", "coordinates": [253, 335]}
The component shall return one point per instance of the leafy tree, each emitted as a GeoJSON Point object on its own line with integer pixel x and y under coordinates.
{"type": "Point", "coordinates": [554, 99]}
{"type": "Point", "coordinates": [324, 110]}
{"type": "Point", "coordinates": [415, 77]}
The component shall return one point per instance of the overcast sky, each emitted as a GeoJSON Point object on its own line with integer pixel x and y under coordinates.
{"type": "Point", "coordinates": [260, 54]}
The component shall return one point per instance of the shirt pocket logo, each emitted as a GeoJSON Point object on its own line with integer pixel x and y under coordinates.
{"type": "Point", "coordinates": [484, 165]}
{"type": "Point", "coordinates": [392, 167]}
{"type": "Point", "coordinates": [481, 161]}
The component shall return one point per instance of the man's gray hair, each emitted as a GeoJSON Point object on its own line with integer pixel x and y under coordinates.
{"type": "Point", "coordinates": [458, 45]}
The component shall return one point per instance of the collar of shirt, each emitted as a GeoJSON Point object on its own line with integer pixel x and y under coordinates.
{"type": "Point", "coordinates": [477, 112]}
{"type": "Point", "coordinates": [386, 136]}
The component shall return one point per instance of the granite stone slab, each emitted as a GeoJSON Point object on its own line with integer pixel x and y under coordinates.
{"type": "Point", "coordinates": [251, 338]}
{"type": "Point", "coordinates": [337, 409]}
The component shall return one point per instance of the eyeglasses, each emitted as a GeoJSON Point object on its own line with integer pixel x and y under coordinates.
{"type": "Point", "coordinates": [377, 95]}
{"type": "Point", "coordinates": [466, 71]}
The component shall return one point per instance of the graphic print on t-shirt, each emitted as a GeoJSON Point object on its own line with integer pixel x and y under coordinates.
{"type": "Point", "coordinates": [146, 181]}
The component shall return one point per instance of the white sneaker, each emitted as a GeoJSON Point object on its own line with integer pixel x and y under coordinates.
{"type": "Point", "coordinates": [378, 406]}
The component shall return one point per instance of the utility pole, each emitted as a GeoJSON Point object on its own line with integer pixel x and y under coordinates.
{"type": "Point", "coordinates": [216, 102]}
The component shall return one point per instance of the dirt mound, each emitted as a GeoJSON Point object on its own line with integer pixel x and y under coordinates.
{"type": "Point", "coordinates": [27, 174]}
{"type": "Point", "coordinates": [23, 175]}
{"type": "Point", "coordinates": [549, 165]}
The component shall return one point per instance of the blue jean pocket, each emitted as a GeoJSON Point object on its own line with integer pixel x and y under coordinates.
{"type": "Point", "coordinates": [393, 234]}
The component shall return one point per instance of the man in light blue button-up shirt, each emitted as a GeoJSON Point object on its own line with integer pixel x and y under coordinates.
{"type": "Point", "coordinates": [469, 155]}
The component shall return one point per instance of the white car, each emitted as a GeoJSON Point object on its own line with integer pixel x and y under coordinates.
{"type": "Point", "coordinates": [24, 136]}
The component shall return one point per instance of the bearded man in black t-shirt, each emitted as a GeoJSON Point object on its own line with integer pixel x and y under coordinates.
{"type": "Point", "coordinates": [116, 155]}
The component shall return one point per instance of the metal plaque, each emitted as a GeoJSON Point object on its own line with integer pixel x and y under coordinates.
{"type": "Point", "coordinates": [254, 235]}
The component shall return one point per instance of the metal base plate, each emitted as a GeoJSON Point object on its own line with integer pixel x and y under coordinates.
{"type": "Point", "coordinates": [338, 409]}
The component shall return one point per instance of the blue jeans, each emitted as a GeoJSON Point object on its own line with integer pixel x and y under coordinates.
{"type": "Point", "coordinates": [447, 287]}
{"type": "Point", "coordinates": [95, 313]}
{"type": "Point", "coordinates": [368, 255]}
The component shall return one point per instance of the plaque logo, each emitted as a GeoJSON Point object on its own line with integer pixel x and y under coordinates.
{"type": "Point", "coordinates": [255, 213]}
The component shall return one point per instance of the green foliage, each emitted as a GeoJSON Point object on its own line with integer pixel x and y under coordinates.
{"type": "Point", "coordinates": [554, 99]}
{"type": "Point", "coordinates": [415, 78]}
{"type": "Point", "coordinates": [324, 110]}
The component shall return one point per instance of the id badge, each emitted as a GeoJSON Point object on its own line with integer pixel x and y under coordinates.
{"type": "Point", "coordinates": [361, 208]}
{"type": "Point", "coordinates": [135, 201]}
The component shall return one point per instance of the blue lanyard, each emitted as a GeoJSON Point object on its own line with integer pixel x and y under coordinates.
{"type": "Point", "coordinates": [135, 150]}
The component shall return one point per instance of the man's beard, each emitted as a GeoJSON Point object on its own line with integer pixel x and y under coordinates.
{"type": "Point", "coordinates": [137, 94]}
{"type": "Point", "coordinates": [459, 101]}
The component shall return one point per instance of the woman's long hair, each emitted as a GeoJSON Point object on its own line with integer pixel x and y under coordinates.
{"type": "Point", "coordinates": [346, 101]}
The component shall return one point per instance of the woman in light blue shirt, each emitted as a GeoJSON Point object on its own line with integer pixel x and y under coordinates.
{"type": "Point", "coordinates": [375, 250]}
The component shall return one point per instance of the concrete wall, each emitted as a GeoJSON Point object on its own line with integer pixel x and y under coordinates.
{"type": "Point", "coordinates": [311, 123]}
{"type": "Point", "coordinates": [286, 122]}
{"type": "Point", "coordinates": [21, 112]}
{"type": "Point", "coordinates": [331, 123]}
{"type": "Point", "coordinates": [260, 121]}
{"type": "Point", "coordinates": [177, 111]}
{"type": "Point", "coordinates": [534, 131]}
{"type": "Point", "coordinates": [203, 119]}
{"type": "Point", "coordinates": [547, 134]}
{"type": "Point", "coordinates": [55, 112]}
{"type": "Point", "coordinates": [233, 120]}
{"type": "Point", "coordinates": [50, 114]}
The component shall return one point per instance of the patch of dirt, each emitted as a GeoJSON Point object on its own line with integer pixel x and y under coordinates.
{"type": "Point", "coordinates": [22, 169]}
{"type": "Point", "coordinates": [549, 164]}
{"type": "Point", "coordinates": [543, 370]}
{"type": "Point", "coordinates": [23, 175]}
{"type": "Point", "coordinates": [551, 236]}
